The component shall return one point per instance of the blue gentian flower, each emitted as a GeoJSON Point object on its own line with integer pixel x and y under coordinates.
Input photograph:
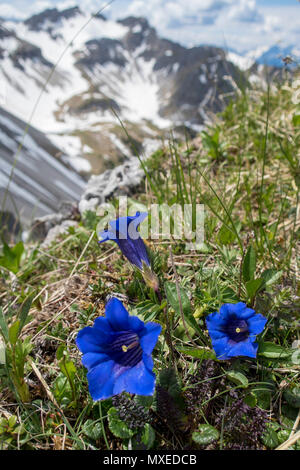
{"type": "Point", "coordinates": [117, 353]}
{"type": "Point", "coordinates": [124, 231]}
{"type": "Point", "coordinates": [233, 331]}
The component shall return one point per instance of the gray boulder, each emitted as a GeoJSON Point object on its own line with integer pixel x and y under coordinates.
{"type": "Point", "coordinates": [120, 181]}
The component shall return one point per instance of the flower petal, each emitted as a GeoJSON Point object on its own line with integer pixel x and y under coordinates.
{"type": "Point", "coordinates": [256, 324]}
{"type": "Point", "coordinates": [241, 310]}
{"type": "Point", "coordinates": [102, 323]}
{"type": "Point", "coordinates": [107, 235]}
{"type": "Point", "coordinates": [117, 315]}
{"type": "Point", "coordinates": [129, 250]}
{"type": "Point", "coordinates": [225, 310]}
{"type": "Point", "coordinates": [122, 224]}
{"type": "Point", "coordinates": [148, 361]}
{"type": "Point", "coordinates": [135, 323]}
{"type": "Point", "coordinates": [91, 359]}
{"type": "Point", "coordinates": [141, 250]}
{"type": "Point", "coordinates": [124, 232]}
{"type": "Point", "coordinates": [221, 348]}
{"type": "Point", "coordinates": [215, 321]}
{"type": "Point", "coordinates": [101, 381]}
{"type": "Point", "coordinates": [92, 340]}
{"type": "Point", "coordinates": [148, 336]}
{"type": "Point", "coordinates": [216, 334]}
{"type": "Point", "coordinates": [138, 379]}
{"type": "Point", "coordinates": [243, 348]}
{"type": "Point", "coordinates": [138, 219]}
{"type": "Point", "coordinates": [133, 232]}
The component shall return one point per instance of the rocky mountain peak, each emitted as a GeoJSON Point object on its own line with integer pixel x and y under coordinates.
{"type": "Point", "coordinates": [140, 32]}
{"type": "Point", "coordinates": [136, 24]}
{"type": "Point", "coordinates": [52, 16]}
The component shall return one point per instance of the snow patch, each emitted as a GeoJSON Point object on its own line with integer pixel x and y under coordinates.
{"type": "Point", "coordinates": [137, 29]}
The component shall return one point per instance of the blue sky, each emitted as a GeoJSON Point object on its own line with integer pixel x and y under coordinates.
{"type": "Point", "coordinates": [272, 3]}
{"type": "Point", "coordinates": [237, 24]}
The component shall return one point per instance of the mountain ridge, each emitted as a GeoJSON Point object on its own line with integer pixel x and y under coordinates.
{"type": "Point", "coordinates": [152, 83]}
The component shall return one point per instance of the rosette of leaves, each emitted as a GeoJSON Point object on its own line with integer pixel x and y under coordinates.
{"type": "Point", "coordinates": [10, 429]}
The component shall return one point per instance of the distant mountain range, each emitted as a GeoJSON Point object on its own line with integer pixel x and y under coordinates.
{"type": "Point", "coordinates": [109, 69]}
{"type": "Point", "coordinates": [80, 80]}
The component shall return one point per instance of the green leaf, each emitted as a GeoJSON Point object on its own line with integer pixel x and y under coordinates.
{"type": "Point", "coordinates": [206, 435]}
{"type": "Point", "coordinates": [272, 351]}
{"type": "Point", "coordinates": [18, 250]}
{"type": "Point", "coordinates": [270, 438]}
{"type": "Point", "coordinates": [145, 401]}
{"type": "Point", "coordinates": [293, 397]}
{"type": "Point", "coordinates": [60, 352]}
{"type": "Point", "coordinates": [237, 378]}
{"type": "Point", "coordinates": [3, 326]}
{"type": "Point", "coordinates": [264, 398]}
{"type": "Point", "coordinates": [68, 369]}
{"type": "Point", "coordinates": [249, 264]}
{"type": "Point", "coordinates": [283, 435]}
{"type": "Point", "coordinates": [12, 257]}
{"type": "Point", "coordinates": [62, 390]}
{"type": "Point", "coordinates": [12, 421]}
{"type": "Point", "coordinates": [250, 400]}
{"type": "Point", "coordinates": [169, 381]}
{"type": "Point", "coordinates": [200, 353]}
{"type": "Point", "coordinates": [148, 436]}
{"type": "Point", "coordinates": [229, 296]}
{"type": "Point", "coordinates": [117, 426]}
{"type": "Point", "coordinates": [92, 430]}
{"type": "Point", "coordinates": [226, 236]}
{"type": "Point", "coordinates": [2, 352]}
{"type": "Point", "coordinates": [296, 357]}
{"type": "Point", "coordinates": [27, 346]}
{"type": "Point", "coordinates": [149, 310]}
{"type": "Point", "coordinates": [296, 120]}
{"type": "Point", "coordinates": [253, 286]}
{"type": "Point", "coordinates": [171, 292]}
{"type": "Point", "coordinates": [24, 312]}
{"type": "Point", "coordinates": [146, 440]}
{"type": "Point", "coordinates": [14, 332]}
{"type": "Point", "coordinates": [270, 276]}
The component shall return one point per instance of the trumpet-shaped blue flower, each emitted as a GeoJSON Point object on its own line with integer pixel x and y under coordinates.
{"type": "Point", "coordinates": [233, 331]}
{"type": "Point", "coordinates": [117, 353]}
{"type": "Point", "coordinates": [124, 231]}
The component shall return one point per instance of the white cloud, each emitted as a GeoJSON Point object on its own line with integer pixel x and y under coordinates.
{"type": "Point", "coordinates": [246, 11]}
{"type": "Point", "coordinates": [9, 11]}
{"type": "Point", "coordinates": [192, 22]}
{"type": "Point", "coordinates": [272, 24]}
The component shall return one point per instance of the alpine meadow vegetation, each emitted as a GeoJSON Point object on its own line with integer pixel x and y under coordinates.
{"type": "Point", "coordinates": [145, 344]}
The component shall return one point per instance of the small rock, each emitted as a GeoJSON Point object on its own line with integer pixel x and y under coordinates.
{"type": "Point", "coordinates": [41, 226]}
{"type": "Point", "coordinates": [58, 230]}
